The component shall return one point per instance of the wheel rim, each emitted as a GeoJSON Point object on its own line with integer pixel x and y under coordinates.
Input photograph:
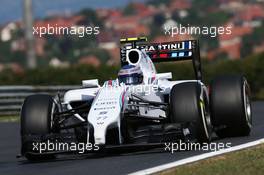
{"type": "Point", "coordinates": [206, 119]}
{"type": "Point", "coordinates": [54, 109]}
{"type": "Point", "coordinates": [247, 105]}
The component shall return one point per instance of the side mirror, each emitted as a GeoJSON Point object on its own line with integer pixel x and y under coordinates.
{"type": "Point", "coordinates": [167, 76]}
{"type": "Point", "coordinates": [90, 83]}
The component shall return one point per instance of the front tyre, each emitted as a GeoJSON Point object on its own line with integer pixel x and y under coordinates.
{"type": "Point", "coordinates": [189, 105]}
{"type": "Point", "coordinates": [230, 106]}
{"type": "Point", "coordinates": [36, 120]}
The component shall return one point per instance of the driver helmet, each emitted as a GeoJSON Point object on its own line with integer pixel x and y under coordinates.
{"type": "Point", "coordinates": [130, 75]}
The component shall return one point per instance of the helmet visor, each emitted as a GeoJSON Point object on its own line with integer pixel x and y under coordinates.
{"type": "Point", "coordinates": [131, 79]}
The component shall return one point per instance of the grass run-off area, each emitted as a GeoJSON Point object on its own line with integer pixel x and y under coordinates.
{"type": "Point", "coordinates": [245, 162]}
{"type": "Point", "coordinates": [9, 118]}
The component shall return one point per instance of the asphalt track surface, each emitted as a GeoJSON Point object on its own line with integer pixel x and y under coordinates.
{"type": "Point", "coordinates": [102, 164]}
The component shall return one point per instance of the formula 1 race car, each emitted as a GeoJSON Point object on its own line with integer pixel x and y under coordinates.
{"type": "Point", "coordinates": [139, 108]}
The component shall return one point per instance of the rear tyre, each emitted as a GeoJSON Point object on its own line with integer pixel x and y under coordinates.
{"type": "Point", "coordinates": [36, 119]}
{"type": "Point", "coordinates": [189, 105]}
{"type": "Point", "coordinates": [230, 106]}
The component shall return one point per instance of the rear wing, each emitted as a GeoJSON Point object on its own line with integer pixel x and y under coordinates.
{"type": "Point", "coordinates": [166, 51]}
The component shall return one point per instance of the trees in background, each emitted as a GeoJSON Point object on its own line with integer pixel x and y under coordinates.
{"type": "Point", "coordinates": [251, 67]}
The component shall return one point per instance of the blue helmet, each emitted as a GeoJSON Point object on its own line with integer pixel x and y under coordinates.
{"type": "Point", "coordinates": [130, 74]}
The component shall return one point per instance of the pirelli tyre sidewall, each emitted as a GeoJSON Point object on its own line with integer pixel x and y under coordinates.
{"type": "Point", "coordinates": [230, 106]}
{"type": "Point", "coordinates": [36, 119]}
{"type": "Point", "coordinates": [189, 105]}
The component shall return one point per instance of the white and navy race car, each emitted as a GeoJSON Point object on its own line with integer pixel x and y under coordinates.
{"type": "Point", "coordinates": [140, 107]}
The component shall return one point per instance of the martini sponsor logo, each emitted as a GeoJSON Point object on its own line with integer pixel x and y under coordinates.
{"type": "Point", "coordinates": [170, 46]}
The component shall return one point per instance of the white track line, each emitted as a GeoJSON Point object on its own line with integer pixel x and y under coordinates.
{"type": "Point", "coordinates": [196, 158]}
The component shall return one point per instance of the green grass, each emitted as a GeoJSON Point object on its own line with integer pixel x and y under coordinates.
{"type": "Point", "coordinates": [260, 94]}
{"type": "Point", "coordinates": [9, 118]}
{"type": "Point", "coordinates": [246, 162]}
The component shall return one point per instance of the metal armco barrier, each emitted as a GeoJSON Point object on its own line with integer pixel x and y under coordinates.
{"type": "Point", "coordinates": [12, 97]}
